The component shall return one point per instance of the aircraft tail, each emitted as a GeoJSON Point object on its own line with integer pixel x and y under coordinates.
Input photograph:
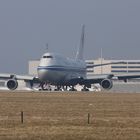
{"type": "Point", "coordinates": [80, 51]}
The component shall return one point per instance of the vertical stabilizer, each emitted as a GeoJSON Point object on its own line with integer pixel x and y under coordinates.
{"type": "Point", "coordinates": [80, 51]}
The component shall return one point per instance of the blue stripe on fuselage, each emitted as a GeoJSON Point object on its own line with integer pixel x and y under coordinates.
{"type": "Point", "coordinates": [61, 68]}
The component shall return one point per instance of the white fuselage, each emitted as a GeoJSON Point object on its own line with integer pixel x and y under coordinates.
{"type": "Point", "coordinates": [59, 70]}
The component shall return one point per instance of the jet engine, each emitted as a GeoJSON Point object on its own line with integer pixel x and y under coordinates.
{"type": "Point", "coordinates": [12, 84]}
{"type": "Point", "coordinates": [106, 84]}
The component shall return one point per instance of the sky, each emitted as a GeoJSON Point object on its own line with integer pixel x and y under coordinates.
{"type": "Point", "coordinates": [26, 26]}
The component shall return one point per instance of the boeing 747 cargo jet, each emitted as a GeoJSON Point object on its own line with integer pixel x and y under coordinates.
{"type": "Point", "coordinates": [54, 69]}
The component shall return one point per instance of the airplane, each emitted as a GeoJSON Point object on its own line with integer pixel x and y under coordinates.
{"type": "Point", "coordinates": [63, 72]}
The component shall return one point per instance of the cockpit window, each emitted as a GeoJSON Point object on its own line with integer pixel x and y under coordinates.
{"type": "Point", "coordinates": [49, 56]}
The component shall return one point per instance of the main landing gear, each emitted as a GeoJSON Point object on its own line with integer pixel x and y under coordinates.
{"type": "Point", "coordinates": [84, 89]}
{"type": "Point", "coordinates": [65, 88]}
{"type": "Point", "coordinates": [72, 89]}
{"type": "Point", "coordinates": [58, 88]}
{"type": "Point", "coordinates": [45, 87]}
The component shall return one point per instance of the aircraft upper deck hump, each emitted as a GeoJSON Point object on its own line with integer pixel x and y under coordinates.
{"type": "Point", "coordinates": [80, 51]}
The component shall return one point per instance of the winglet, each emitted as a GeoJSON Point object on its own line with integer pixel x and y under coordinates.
{"type": "Point", "coordinates": [80, 52]}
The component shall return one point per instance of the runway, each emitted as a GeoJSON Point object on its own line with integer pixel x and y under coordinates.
{"type": "Point", "coordinates": [65, 116]}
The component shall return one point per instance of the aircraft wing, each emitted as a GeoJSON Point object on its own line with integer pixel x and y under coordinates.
{"type": "Point", "coordinates": [104, 64]}
{"type": "Point", "coordinates": [12, 83]}
{"type": "Point", "coordinates": [113, 77]}
{"type": "Point", "coordinates": [125, 77]}
{"type": "Point", "coordinates": [97, 78]}
{"type": "Point", "coordinates": [105, 80]}
{"type": "Point", "coordinates": [17, 77]}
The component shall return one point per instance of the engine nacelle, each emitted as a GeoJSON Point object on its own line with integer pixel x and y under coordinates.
{"type": "Point", "coordinates": [106, 84]}
{"type": "Point", "coordinates": [12, 84]}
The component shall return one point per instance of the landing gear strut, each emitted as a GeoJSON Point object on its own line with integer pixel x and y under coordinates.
{"type": "Point", "coordinates": [58, 88]}
{"type": "Point", "coordinates": [85, 89]}
{"type": "Point", "coordinates": [45, 86]}
{"type": "Point", "coordinates": [72, 89]}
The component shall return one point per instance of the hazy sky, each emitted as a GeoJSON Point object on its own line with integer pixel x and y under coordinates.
{"type": "Point", "coordinates": [27, 25]}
